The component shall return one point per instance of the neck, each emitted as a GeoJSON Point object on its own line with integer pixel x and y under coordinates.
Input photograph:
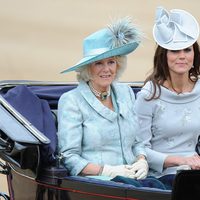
{"type": "Point", "coordinates": [102, 95]}
{"type": "Point", "coordinates": [180, 85]}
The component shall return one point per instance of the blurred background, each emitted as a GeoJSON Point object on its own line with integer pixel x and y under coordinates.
{"type": "Point", "coordinates": [40, 38]}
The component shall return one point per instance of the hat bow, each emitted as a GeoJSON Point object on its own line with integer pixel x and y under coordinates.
{"type": "Point", "coordinates": [171, 27]}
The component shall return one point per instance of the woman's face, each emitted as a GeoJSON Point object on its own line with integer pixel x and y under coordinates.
{"type": "Point", "coordinates": [103, 73]}
{"type": "Point", "coordinates": [180, 61]}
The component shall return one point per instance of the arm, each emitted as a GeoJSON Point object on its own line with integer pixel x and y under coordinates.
{"type": "Point", "coordinates": [192, 161]}
{"type": "Point", "coordinates": [138, 147]}
{"type": "Point", "coordinates": [144, 110]}
{"type": "Point", "coordinates": [70, 133]}
{"type": "Point", "coordinates": [92, 169]}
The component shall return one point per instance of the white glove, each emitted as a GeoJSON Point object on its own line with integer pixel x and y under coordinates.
{"type": "Point", "coordinates": [140, 169]}
{"type": "Point", "coordinates": [119, 170]}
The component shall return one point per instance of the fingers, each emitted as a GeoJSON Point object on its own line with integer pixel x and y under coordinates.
{"type": "Point", "coordinates": [139, 169]}
{"type": "Point", "coordinates": [123, 170]}
{"type": "Point", "coordinates": [131, 176]}
{"type": "Point", "coordinates": [196, 162]}
{"type": "Point", "coordinates": [141, 174]}
{"type": "Point", "coordinates": [193, 162]}
{"type": "Point", "coordinates": [141, 164]}
{"type": "Point", "coordinates": [135, 167]}
{"type": "Point", "coordinates": [128, 172]}
{"type": "Point", "coordinates": [128, 167]}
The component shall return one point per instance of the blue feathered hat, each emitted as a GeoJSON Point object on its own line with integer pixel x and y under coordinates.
{"type": "Point", "coordinates": [119, 38]}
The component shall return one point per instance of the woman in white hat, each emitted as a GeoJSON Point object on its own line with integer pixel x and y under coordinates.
{"type": "Point", "coordinates": [168, 106]}
{"type": "Point", "coordinates": [97, 126]}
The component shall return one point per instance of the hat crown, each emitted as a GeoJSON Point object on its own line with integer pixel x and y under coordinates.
{"type": "Point", "coordinates": [97, 43]}
{"type": "Point", "coordinates": [176, 29]}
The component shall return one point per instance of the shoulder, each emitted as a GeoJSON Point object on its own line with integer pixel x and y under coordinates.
{"type": "Point", "coordinates": [148, 87]}
{"type": "Point", "coordinates": [123, 93]}
{"type": "Point", "coordinates": [121, 87]}
{"type": "Point", "coordinates": [123, 90]}
{"type": "Point", "coordinates": [69, 99]}
{"type": "Point", "coordinates": [68, 95]}
{"type": "Point", "coordinates": [74, 93]}
{"type": "Point", "coordinates": [146, 91]}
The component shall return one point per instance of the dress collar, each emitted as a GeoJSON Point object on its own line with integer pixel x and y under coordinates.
{"type": "Point", "coordinates": [172, 97]}
{"type": "Point", "coordinates": [116, 93]}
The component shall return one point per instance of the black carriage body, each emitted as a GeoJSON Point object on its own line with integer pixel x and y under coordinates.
{"type": "Point", "coordinates": [28, 178]}
{"type": "Point", "coordinates": [51, 187]}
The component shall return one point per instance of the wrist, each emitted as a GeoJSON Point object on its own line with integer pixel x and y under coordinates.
{"type": "Point", "coordinates": [172, 161]}
{"type": "Point", "coordinates": [141, 157]}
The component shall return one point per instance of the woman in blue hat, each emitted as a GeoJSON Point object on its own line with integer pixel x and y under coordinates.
{"type": "Point", "coordinates": [97, 126]}
{"type": "Point", "coordinates": [168, 105]}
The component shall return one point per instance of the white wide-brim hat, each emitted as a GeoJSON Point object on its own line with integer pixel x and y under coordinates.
{"type": "Point", "coordinates": [176, 29]}
{"type": "Point", "coordinates": [119, 38]}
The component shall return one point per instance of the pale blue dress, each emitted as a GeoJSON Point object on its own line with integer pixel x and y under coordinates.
{"type": "Point", "coordinates": [89, 132]}
{"type": "Point", "coordinates": [169, 125]}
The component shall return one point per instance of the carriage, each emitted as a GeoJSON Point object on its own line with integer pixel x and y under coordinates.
{"type": "Point", "coordinates": [26, 149]}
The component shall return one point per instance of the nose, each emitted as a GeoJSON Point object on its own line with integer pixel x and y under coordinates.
{"type": "Point", "coordinates": [106, 66]}
{"type": "Point", "coordinates": [181, 54]}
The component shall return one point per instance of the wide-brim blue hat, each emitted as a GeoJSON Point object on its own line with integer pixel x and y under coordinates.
{"type": "Point", "coordinates": [119, 38]}
{"type": "Point", "coordinates": [176, 29]}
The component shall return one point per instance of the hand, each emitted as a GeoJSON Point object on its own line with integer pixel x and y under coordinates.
{"type": "Point", "coordinates": [140, 168]}
{"type": "Point", "coordinates": [192, 161]}
{"type": "Point", "coordinates": [119, 170]}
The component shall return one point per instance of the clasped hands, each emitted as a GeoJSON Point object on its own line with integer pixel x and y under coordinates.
{"type": "Point", "coordinates": [137, 170]}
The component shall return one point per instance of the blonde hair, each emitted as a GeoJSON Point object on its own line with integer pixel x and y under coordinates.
{"type": "Point", "coordinates": [83, 73]}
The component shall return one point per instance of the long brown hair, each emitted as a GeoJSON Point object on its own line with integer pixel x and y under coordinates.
{"type": "Point", "coordinates": [161, 70]}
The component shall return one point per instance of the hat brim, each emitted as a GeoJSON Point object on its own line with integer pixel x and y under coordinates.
{"type": "Point", "coordinates": [171, 45]}
{"type": "Point", "coordinates": [123, 50]}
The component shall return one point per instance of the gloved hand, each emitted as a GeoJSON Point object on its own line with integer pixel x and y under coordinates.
{"type": "Point", "coordinates": [140, 169]}
{"type": "Point", "coordinates": [119, 170]}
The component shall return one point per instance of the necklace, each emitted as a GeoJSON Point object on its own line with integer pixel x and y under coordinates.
{"type": "Point", "coordinates": [176, 91]}
{"type": "Point", "coordinates": [102, 95]}
{"type": "Point", "coordinates": [188, 88]}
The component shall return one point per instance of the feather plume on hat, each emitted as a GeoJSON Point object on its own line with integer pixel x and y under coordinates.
{"type": "Point", "coordinates": [124, 32]}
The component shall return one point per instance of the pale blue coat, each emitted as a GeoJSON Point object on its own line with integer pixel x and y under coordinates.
{"type": "Point", "coordinates": [170, 125]}
{"type": "Point", "coordinates": [89, 132]}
